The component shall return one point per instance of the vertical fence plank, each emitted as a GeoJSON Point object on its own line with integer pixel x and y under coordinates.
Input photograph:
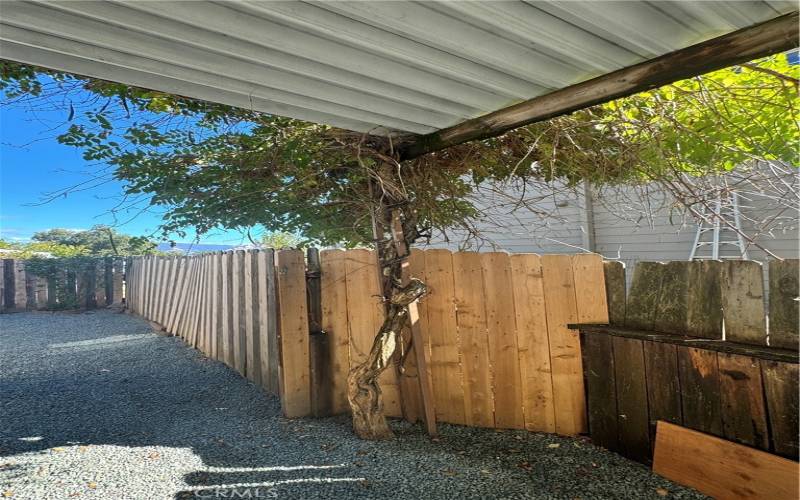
{"type": "Point", "coordinates": [319, 346]}
{"type": "Point", "coordinates": [704, 315]}
{"type": "Point", "coordinates": [471, 318]}
{"type": "Point", "coordinates": [601, 390]}
{"type": "Point", "coordinates": [273, 345]}
{"type": "Point", "coordinates": [784, 308]}
{"type": "Point", "coordinates": [117, 281]}
{"type": "Point", "coordinates": [743, 302]}
{"type": "Point", "coordinates": [2, 285]}
{"type": "Point", "coordinates": [565, 355]}
{"type": "Point", "coordinates": [333, 294]}
{"type": "Point", "coordinates": [227, 307]}
{"type": "Point", "coordinates": [442, 332]}
{"type": "Point", "coordinates": [503, 350]}
{"type": "Point", "coordinates": [216, 299]}
{"type": "Point", "coordinates": [237, 289]}
{"type": "Point", "coordinates": [633, 419]}
{"type": "Point", "coordinates": [640, 311]}
{"type": "Point", "coordinates": [781, 391]}
{"type": "Point", "coordinates": [252, 335]}
{"type": "Point", "coordinates": [663, 385]}
{"type": "Point", "coordinates": [587, 272]}
{"type": "Point", "coordinates": [532, 342]}
{"type": "Point", "coordinates": [742, 399]}
{"type": "Point", "coordinates": [700, 401]}
{"type": "Point", "coordinates": [294, 373]}
{"type": "Point", "coordinates": [30, 290]}
{"type": "Point", "coordinates": [266, 316]}
{"type": "Point", "coordinates": [671, 305]}
{"type": "Point", "coordinates": [614, 273]}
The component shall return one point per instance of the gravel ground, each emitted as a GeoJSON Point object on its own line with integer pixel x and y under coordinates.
{"type": "Point", "coordinates": [96, 405]}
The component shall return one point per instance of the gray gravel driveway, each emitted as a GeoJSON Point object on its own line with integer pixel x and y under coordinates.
{"type": "Point", "coordinates": [96, 405]}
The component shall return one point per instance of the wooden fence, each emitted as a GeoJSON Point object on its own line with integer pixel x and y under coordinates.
{"type": "Point", "coordinates": [495, 326]}
{"type": "Point", "coordinates": [89, 284]}
{"type": "Point", "coordinates": [664, 357]}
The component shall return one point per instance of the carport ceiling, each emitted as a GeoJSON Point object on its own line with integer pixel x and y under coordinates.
{"type": "Point", "coordinates": [378, 67]}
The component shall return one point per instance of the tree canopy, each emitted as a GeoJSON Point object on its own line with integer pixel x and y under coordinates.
{"type": "Point", "coordinates": [213, 166]}
{"type": "Point", "coordinates": [99, 241]}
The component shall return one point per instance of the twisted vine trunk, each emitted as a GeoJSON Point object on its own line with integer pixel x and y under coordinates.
{"type": "Point", "coordinates": [394, 230]}
{"type": "Point", "coordinates": [363, 391]}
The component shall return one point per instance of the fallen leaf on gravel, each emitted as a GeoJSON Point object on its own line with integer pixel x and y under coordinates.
{"type": "Point", "coordinates": [91, 485]}
{"type": "Point", "coordinates": [449, 472]}
{"type": "Point", "coordinates": [83, 449]}
{"type": "Point", "coordinates": [8, 493]}
{"type": "Point", "coordinates": [662, 492]}
{"type": "Point", "coordinates": [525, 465]}
{"type": "Point", "coordinates": [486, 471]}
{"type": "Point", "coordinates": [58, 449]}
{"type": "Point", "coordinates": [154, 455]}
{"type": "Point", "coordinates": [514, 450]}
{"type": "Point", "coordinates": [553, 445]}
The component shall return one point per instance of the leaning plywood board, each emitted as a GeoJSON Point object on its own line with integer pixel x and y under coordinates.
{"type": "Point", "coordinates": [720, 468]}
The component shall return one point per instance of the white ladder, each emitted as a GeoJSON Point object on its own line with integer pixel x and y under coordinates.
{"type": "Point", "coordinates": [716, 239]}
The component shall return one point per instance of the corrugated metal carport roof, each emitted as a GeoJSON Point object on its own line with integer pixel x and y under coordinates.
{"type": "Point", "coordinates": [379, 67]}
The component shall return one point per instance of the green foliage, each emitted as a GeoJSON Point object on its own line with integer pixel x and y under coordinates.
{"type": "Point", "coordinates": [33, 249]}
{"type": "Point", "coordinates": [98, 241]}
{"type": "Point", "coordinates": [283, 240]}
{"type": "Point", "coordinates": [215, 166]}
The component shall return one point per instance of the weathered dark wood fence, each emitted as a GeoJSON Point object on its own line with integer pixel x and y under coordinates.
{"type": "Point", "coordinates": [663, 356]}
{"type": "Point", "coordinates": [92, 284]}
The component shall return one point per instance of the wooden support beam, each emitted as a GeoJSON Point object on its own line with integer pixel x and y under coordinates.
{"type": "Point", "coordinates": [760, 40]}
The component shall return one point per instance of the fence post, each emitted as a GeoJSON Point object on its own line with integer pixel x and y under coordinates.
{"type": "Point", "coordinates": [319, 348]}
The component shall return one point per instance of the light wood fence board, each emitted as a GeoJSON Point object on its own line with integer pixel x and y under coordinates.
{"type": "Point", "coordinates": [722, 469]}
{"type": "Point", "coordinates": [443, 334]}
{"type": "Point", "coordinates": [503, 350]}
{"type": "Point", "coordinates": [473, 338]}
{"type": "Point", "coordinates": [533, 343]}
{"type": "Point", "coordinates": [334, 323]}
{"type": "Point", "coordinates": [294, 374]}
{"type": "Point", "coordinates": [589, 278]}
{"type": "Point", "coordinates": [252, 323]}
{"type": "Point", "coordinates": [565, 354]}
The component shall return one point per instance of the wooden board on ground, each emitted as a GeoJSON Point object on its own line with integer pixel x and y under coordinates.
{"type": "Point", "coordinates": [720, 468]}
{"type": "Point", "coordinates": [700, 401]}
{"type": "Point", "coordinates": [781, 391]}
{"type": "Point", "coordinates": [443, 337]}
{"type": "Point", "coordinates": [598, 359]}
{"type": "Point", "coordinates": [565, 355]}
{"type": "Point", "coordinates": [744, 418]}
{"type": "Point", "coordinates": [503, 349]}
{"type": "Point", "coordinates": [532, 340]}
{"type": "Point", "coordinates": [334, 323]}
{"type": "Point", "coordinates": [743, 302]}
{"type": "Point", "coordinates": [634, 431]}
{"type": "Point", "coordinates": [784, 308]}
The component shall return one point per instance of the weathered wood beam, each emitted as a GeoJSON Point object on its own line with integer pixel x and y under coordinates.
{"type": "Point", "coordinates": [760, 40]}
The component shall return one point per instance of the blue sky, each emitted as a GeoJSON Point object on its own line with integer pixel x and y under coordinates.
{"type": "Point", "coordinates": [32, 163]}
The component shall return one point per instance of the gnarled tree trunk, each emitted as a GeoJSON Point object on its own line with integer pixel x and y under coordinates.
{"type": "Point", "coordinates": [394, 230]}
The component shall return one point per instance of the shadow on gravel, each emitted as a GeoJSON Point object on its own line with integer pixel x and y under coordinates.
{"type": "Point", "coordinates": [98, 406]}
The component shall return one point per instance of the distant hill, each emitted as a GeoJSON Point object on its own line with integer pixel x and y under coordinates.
{"type": "Point", "coordinates": [193, 247]}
